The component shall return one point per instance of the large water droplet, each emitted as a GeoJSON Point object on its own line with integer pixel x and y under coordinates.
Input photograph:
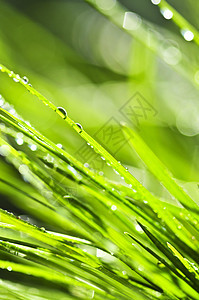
{"type": "Point", "coordinates": [187, 35]}
{"type": "Point", "coordinates": [80, 126]}
{"type": "Point", "coordinates": [63, 112]}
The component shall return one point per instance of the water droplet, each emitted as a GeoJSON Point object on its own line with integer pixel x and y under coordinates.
{"type": "Point", "coordinates": [145, 202]}
{"type": "Point", "coordinates": [86, 165]}
{"type": "Point", "coordinates": [9, 268]}
{"type": "Point", "coordinates": [113, 207]}
{"type": "Point", "coordinates": [16, 78]}
{"type": "Point", "coordinates": [30, 84]}
{"type": "Point", "coordinates": [49, 158]}
{"type": "Point", "coordinates": [187, 35]}
{"type": "Point", "coordinates": [19, 141]}
{"type": "Point", "coordinates": [25, 80]}
{"type": "Point", "coordinates": [139, 228]}
{"type": "Point", "coordinates": [179, 227]}
{"type": "Point", "coordinates": [113, 189]}
{"type": "Point", "coordinates": [10, 74]}
{"type": "Point", "coordinates": [131, 21]}
{"type": "Point", "coordinates": [102, 158]}
{"type": "Point", "coordinates": [101, 173]}
{"type": "Point", "coordinates": [59, 146]}
{"type": "Point", "coordinates": [63, 112]}
{"type": "Point", "coordinates": [116, 172]}
{"type": "Point", "coordinates": [81, 128]}
{"type": "Point", "coordinates": [156, 2]}
{"type": "Point", "coordinates": [167, 13]}
{"type": "Point", "coordinates": [141, 268]}
{"type": "Point", "coordinates": [33, 147]}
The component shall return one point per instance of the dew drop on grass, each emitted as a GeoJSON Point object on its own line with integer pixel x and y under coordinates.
{"type": "Point", "coordinates": [9, 268]}
{"type": "Point", "coordinates": [10, 74]}
{"type": "Point", "coordinates": [86, 165]}
{"type": "Point", "coordinates": [80, 127]}
{"type": "Point", "coordinates": [102, 158]}
{"type": "Point", "coordinates": [19, 141]}
{"type": "Point", "coordinates": [113, 207]}
{"type": "Point", "coordinates": [63, 112]}
{"type": "Point", "coordinates": [59, 146]}
{"type": "Point", "coordinates": [139, 228]}
{"type": "Point", "coordinates": [16, 78]}
{"type": "Point", "coordinates": [25, 80]}
{"type": "Point", "coordinates": [33, 147]}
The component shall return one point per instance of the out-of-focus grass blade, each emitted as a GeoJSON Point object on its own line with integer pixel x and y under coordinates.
{"type": "Point", "coordinates": [158, 169]}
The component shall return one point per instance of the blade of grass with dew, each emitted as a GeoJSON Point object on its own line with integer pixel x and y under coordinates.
{"type": "Point", "coordinates": [180, 21]}
{"type": "Point", "coordinates": [48, 259]}
{"type": "Point", "coordinates": [148, 35]}
{"type": "Point", "coordinates": [98, 148]}
{"type": "Point", "coordinates": [194, 283]}
{"type": "Point", "coordinates": [119, 198]}
{"type": "Point", "coordinates": [99, 182]}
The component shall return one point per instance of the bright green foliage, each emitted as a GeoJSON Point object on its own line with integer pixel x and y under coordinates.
{"type": "Point", "coordinates": [85, 250]}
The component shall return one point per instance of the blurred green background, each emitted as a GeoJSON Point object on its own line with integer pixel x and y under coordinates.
{"type": "Point", "coordinates": [81, 61]}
